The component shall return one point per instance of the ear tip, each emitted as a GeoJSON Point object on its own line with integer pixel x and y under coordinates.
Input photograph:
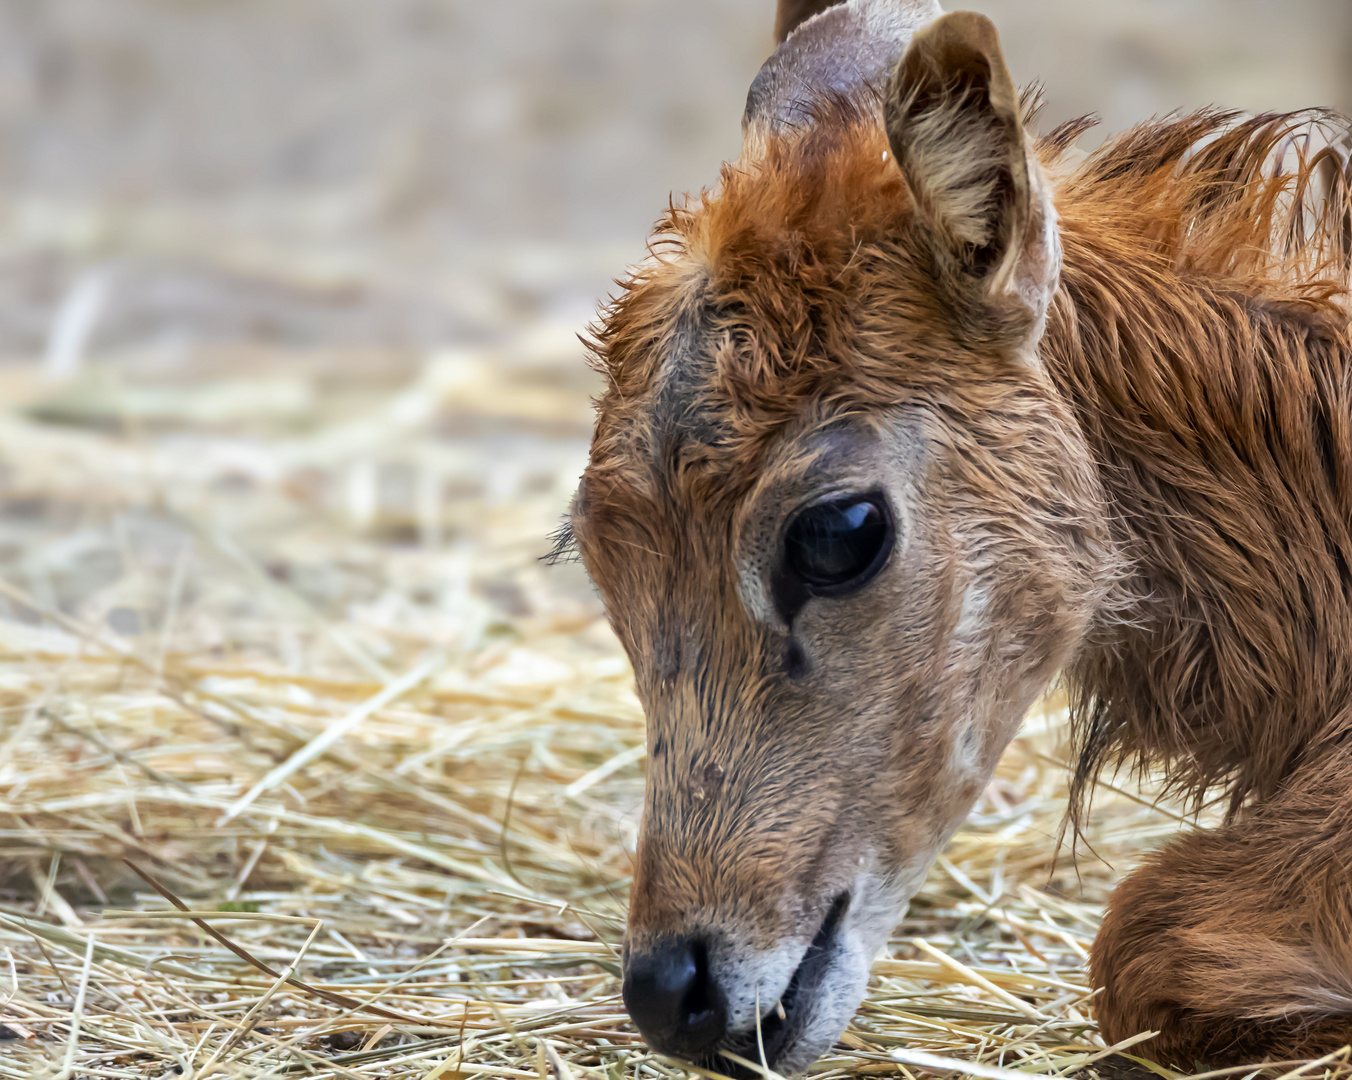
{"type": "Point", "coordinates": [965, 28]}
{"type": "Point", "coordinates": [958, 42]}
{"type": "Point", "coordinates": [965, 22]}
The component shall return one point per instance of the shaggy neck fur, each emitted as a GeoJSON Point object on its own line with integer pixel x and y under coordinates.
{"type": "Point", "coordinates": [1207, 366]}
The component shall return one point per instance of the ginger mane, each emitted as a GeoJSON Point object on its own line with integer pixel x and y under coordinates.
{"type": "Point", "coordinates": [1201, 335]}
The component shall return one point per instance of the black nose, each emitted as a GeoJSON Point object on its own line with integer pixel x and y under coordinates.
{"type": "Point", "coordinates": [673, 999]}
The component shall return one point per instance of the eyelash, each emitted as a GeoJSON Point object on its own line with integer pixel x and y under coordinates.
{"type": "Point", "coordinates": [562, 546]}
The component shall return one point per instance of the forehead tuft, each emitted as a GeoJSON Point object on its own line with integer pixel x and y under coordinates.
{"type": "Point", "coordinates": [751, 307]}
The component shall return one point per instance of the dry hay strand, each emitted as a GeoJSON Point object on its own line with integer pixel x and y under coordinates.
{"type": "Point", "coordinates": [309, 768]}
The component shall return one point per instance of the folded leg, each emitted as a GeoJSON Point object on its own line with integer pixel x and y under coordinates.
{"type": "Point", "coordinates": [1236, 944]}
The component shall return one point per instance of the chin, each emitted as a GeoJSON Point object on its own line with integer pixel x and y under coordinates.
{"type": "Point", "coordinates": [827, 986]}
{"type": "Point", "coordinates": [821, 1020]}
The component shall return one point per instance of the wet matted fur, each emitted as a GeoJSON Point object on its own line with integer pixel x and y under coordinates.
{"type": "Point", "coordinates": [1129, 379]}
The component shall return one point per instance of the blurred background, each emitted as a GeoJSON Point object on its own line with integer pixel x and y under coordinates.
{"type": "Point", "coordinates": [291, 397]}
{"type": "Point", "coordinates": [409, 174]}
{"type": "Point", "coordinates": [225, 223]}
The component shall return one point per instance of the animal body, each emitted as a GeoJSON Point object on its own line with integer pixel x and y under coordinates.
{"type": "Point", "coordinates": [913, 411]}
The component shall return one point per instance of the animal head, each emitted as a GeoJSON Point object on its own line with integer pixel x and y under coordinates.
{"type": "Point", "coordinates": [845, 530]}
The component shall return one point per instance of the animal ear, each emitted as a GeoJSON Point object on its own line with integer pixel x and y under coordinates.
{"type": "Point", "coordinates": [953, 122]}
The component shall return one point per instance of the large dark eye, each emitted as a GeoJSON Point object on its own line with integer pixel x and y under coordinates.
{"type": "Point", "coordinates": [836, 546]}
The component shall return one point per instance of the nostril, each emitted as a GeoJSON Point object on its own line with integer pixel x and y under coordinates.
{"type": "Point", "coordinates": [656, 984]}
{"type": "Point", "coordinates": [701, 1010]}
{"type": "Point", "coordinates": [673, 998]}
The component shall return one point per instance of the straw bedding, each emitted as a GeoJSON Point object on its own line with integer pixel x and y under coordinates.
{"type": "Point", "coordinates": [309, 767]}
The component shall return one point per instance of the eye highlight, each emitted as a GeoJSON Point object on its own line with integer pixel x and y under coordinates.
{"type": "Point", "coordinates": [836, 546]}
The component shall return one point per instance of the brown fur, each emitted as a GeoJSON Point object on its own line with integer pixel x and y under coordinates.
{"type": "Point", "coordinates": [1209, 367]}
{"type": "Point", "coordinates": [1160, 503]}
{"type": "Point", "coordinates": [1236, 944]}
{"type": "Point", "coordinates": [1211, 376]}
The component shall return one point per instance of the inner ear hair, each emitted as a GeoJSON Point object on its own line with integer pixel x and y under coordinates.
{"type": "Point", "coordinates": [953, 121]}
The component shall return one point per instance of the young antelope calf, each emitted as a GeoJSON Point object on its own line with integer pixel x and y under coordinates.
{"type": "Point", "coordinates": [910, 414]}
